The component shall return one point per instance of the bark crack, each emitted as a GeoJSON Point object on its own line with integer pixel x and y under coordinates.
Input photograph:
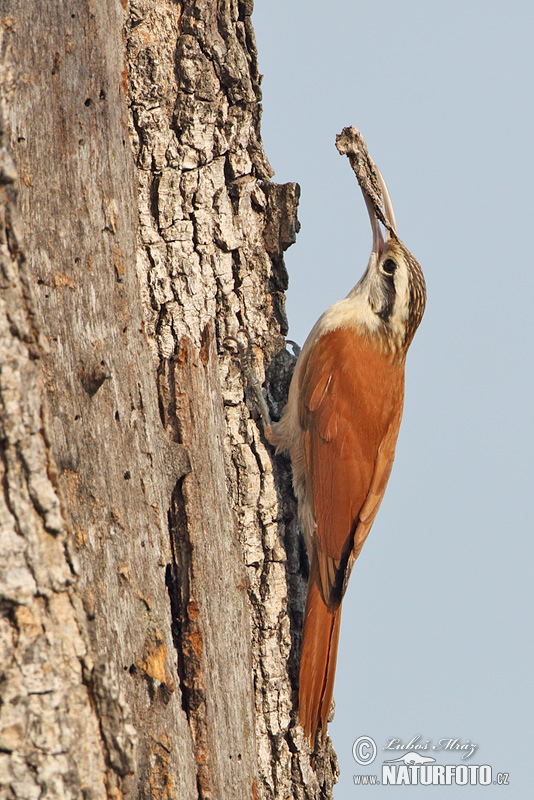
{"type": "Point", "coordinates": [187, 635]}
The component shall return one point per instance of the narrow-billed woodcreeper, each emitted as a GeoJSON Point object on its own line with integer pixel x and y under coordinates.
{"type": "Point", "coordinates": [340, 427]}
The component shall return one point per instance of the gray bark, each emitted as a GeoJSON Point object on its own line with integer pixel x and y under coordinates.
{"type": "Point", "coordinates": [151, 581]}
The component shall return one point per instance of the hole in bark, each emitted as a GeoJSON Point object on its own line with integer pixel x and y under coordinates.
{"type": "Point", "coordinates": [77, 416]}
{"type": "Point", "coordinates": [117, 416]}
{"type": "Point", "coordinates": [57, 63]}
{"type": "Point", "coordinates": [92, 380]}
{"type": "Point", "coordinates": [127, 475]}
{"type": "Point", "coordinates": [88, 102]}
{"type": "Point", "coordinates": [165, 693]}
{"type": "Point", "coordinates": [102, 94]}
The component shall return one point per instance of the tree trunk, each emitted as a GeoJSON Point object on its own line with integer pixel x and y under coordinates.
{"type": "Point", "coordinates": [151, 582]}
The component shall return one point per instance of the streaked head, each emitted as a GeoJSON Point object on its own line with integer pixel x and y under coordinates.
{"type": "Point", "coordinates": [393, 281]}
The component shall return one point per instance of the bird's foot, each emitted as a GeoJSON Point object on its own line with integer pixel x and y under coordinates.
{"type": "Point", "coordinates": [294, 346]}
{"type": "Point", "coordinates": [247, 360]}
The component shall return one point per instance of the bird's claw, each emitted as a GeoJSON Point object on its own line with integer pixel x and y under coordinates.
{"type": "Point", "coordinates": [245, 353]}
{"type": "Point", "coordinates": [294, 346]}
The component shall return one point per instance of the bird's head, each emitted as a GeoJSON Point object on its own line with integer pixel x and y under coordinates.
{"type": "Point", "coordinates": [393, 283]}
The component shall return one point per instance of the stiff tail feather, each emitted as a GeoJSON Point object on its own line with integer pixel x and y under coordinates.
{"type": "Point", "coordinates": [318, 658]}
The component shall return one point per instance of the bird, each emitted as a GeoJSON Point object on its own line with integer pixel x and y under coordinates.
{"type": "Point", "coordinates": [340, 428]}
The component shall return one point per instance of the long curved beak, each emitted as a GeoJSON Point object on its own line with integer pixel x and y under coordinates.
{"type": "Point", "coordinates": [388, 208]}
{"type": "Point", "coordinates": [378, 238]}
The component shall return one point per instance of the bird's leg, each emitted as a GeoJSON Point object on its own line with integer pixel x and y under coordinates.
{"type": "Point", "coordinates": [248, 365]}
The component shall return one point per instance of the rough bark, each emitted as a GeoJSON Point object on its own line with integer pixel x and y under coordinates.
{"type": "Point", "coordinates": [151, 584]}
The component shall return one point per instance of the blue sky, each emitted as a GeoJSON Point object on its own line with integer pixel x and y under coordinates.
{"type": "Point", "coordinates": [436, 634]}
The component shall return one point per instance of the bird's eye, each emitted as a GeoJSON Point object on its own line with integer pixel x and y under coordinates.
{"type": "Point", "coordinates": [389, 266]}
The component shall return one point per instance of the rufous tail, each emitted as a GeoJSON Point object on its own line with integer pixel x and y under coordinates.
{"type": "Point", "coordinates": [318, 658]}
